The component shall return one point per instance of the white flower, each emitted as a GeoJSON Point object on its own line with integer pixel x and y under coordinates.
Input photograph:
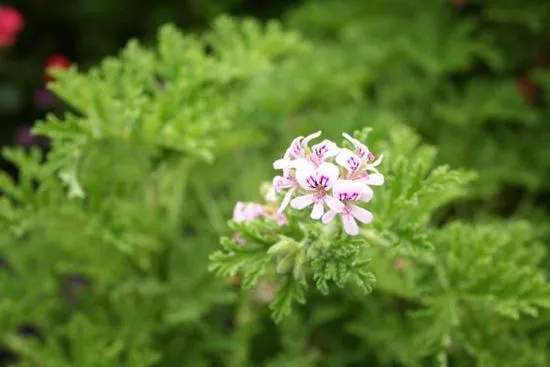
{"type": "Point", "coordinates": [297, 150]}
{"type": "Point", "coordinates": [281, 183]}
{"type": "Point", "coordinates": [360, 170]}
{"type": "Point", "coordinates": [312, 176]}
{"type": "Point", "coordinates": [322, 151]}
{"type": "Point", "coordinates": [316, 180]}
{"type": "Point", "coordinates": [361, 149]}
{"type": "Point", "coordinates": [348, 192]}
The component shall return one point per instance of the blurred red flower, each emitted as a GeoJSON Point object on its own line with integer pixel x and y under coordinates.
{"type": "Point", "coordinates": [56, 61]}
{"type": "Point", "coordinates": [11, 23]}
{"type": "Point", "coordinates": [527, 88]}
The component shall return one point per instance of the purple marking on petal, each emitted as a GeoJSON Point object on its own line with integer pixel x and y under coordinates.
{"type": "Point", "coordinates": [312, 182]}
{"type": "Point", "coordinates": [320, 151]}
{"type": "Point", "coordinates": [323, 181]}
{"type": "Point", "coordinates": [362, 153]}
{"type": "Point", "coordinates": [296, 148]}
{"type": "Point", "coordinates": [353, 164]}
{"type": "Point", "coordinates": [353, 196]}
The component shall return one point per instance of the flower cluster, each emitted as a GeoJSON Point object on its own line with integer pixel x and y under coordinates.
{"type": "Point", "coordinates": [249, 211]}
{"type": "Point", "coordinates": [327, 176]}
{"type": "Point", "coordinates": [245, 212]}
{"type": "Point", "coordinates": [11, 23]}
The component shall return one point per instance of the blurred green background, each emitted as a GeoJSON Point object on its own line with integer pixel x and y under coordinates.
{"type": "Point", "coordinates": [471, 77]}
{"type": "Point", "coordinates": [84, 32]}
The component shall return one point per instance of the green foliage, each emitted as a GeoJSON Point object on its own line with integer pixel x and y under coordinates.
{"type": "Point", "coordinates": [304, 251]}
{"type": "Point", "coordinates": [119, 256]}
{"type": "Point", "coordinates": [110, 240]}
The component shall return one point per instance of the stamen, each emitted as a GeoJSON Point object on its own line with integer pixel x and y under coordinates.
{"type": "Point", "coordinates": [312, 182]}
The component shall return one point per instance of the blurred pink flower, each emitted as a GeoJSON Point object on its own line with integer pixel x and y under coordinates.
{"type": "Point", "coordinates": [244, 212]}
{"type": "Point", "coordinates": [11, 23]}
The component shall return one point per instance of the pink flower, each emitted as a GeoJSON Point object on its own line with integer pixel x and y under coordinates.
{"type": "Point", "coordinates": [358, 169]}
{"type": "Point", "coordinates": [280, 218]}
{"type": "Point", "coordinates": [326, 175]}
{"type": "Point", "coordinates": [371, 176]}
{"type": "Point", "coordinates": [349, 192]}
{"type": "Point", "coordinates": [318, 181]}
{"type": "Point", "coordinates": [297, 149]}
{"type": "Point", "coordinates": [298, 153]}
{"type": "Point", "coordinates": [244, 212]}
{"type": "Point", "coordinates": [11, 23]}
{"type": "Point", "coordinates": [361, 149]}
{"type": "Point", "coordinates": [322, 151]}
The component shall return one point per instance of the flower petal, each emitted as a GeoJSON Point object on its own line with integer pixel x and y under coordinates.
{"type": "Point", "coordinates": [350, 225]}
{"type": "Point", "coordinates": [284, 164]}
{"type": "Point", "coordinates": [280, 163]}
{"type": "Point", "coordinates": [244, 212]}
{"type": "Point", "coordinates": [305, 175]}
{"type": "Point", "coordinates": [327, 174]}
{"type": "Point", "coordinates": [300, 202]}
{"type": "Point", "coordinates": [349, 160]}
{"type": "Point", "coordinates": [366, 194]}
{"type": "Point", "coordinates": [238, 212]}
{"type": "Point", "coordinates": [318, 210]}
{"type": "Point", "coordinates": [362, 215]}
{"type": "Point", "coordinates": [310, 137]}
{"type": "Point", "coordinates": [296, 149]}
{"type": "Point", "coordinates": [375, 179]}
{"type": "Point", "coordinates": [376, 162]}
{"type": "Point", "coordinates": [253, 211]}
{"type": "Point", "coordinates": [360, 149]}
{"type": "Point", "coordinates": [281, 183]}
{"type": "Point", "coordinates": [328, 216]}
{"type": "Point", "coordinates": [286, 200]}
{"type": "Point", "coordinates": [347, 190]}
{"type": "Point", "coordinates": [324, 150]}
{"type": "Point", "coordinates": [333, 203]}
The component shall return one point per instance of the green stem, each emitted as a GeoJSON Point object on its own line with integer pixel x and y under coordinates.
{"type": "Point", "coordinates": [172, 187]}
{"type": "Point", "coordinates": [441, 359]}
{"type": "Point", "coordinates": [244, 317]}
{"type": "Point", "coordinates": [211, 208]}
